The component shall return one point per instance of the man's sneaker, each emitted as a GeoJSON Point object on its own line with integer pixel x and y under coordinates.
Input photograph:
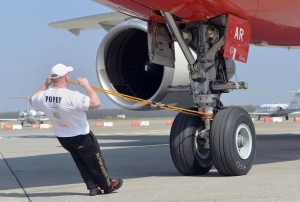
{"type": "Point", "coordinates": [95, 191]}
{"type": "Point", "coordinates": [117, 184]}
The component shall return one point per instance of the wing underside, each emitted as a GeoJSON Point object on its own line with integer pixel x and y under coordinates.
{"type": "Point", "coordinates": [260, 114]}
{"type": "Point", "coordinates": [9, 119]}
{"type": "Point", "coordinates": [44, 119]}
{"type": "Point", "coordinates": [107, 21]}
{"type": "Point", "coordinates": [104, 21]}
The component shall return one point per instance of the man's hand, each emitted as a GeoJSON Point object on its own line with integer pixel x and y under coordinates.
{"type": "Point", "coordinates": [83, 82]}
{"type": "Point", "coordinates": [42, 88]}
{"type": "Point", "coordinates": [48, 81]}
{"type": "Point", "coordinates": [94, 99]}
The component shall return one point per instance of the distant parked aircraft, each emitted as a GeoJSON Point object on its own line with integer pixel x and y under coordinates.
{"type": "Point", "coordinates": [275, 110]}
{"type": "Point", "coordinates": [30, 116]}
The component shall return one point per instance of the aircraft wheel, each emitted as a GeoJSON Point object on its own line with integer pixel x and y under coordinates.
{"type": "Point", "coordinates": [186, 147]}
{"type": "Point", "coordinates": [233, 141]}
{"type": "Point", "coordinates": [286, 117]}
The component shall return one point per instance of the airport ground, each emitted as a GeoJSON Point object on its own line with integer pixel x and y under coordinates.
{"type": "Point", "coordinates": [34, 167]}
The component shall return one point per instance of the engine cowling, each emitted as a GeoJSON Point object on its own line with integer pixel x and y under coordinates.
{"type": "Point", "coordinates": [123, 66]}
{"type": "Point", "coordinates": [22, 114]}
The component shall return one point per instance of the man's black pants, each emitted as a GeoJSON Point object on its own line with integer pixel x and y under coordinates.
{"type": "Point", "coordinates": [86, 153]}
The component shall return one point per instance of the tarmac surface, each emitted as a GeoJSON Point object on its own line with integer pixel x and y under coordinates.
{"type": "Point", "coordinates": [34, 167]}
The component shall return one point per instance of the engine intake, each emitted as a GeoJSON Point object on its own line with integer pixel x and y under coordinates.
{"type": "Point", "coordinates": [123, 66]}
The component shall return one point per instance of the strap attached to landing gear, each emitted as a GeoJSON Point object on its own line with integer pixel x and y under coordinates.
{"type": "Point", "coordinates": [151, 103]}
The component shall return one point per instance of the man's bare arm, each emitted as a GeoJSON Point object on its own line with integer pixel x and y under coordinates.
{"type": "Point", "coordinates": [94, 99]}
{"type": "Point", "coordinates": [42, 88]}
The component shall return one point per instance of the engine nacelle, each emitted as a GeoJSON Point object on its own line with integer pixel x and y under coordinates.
{"type": "Point", "coordinates": [123, 66]}
{"type": "Point", "coordinates": [22, 114]}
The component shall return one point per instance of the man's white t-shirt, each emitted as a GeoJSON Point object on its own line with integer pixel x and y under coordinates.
{"type": "Point", "coordinates": [65, 109]}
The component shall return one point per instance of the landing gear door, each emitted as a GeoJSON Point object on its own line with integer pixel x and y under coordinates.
{"type": "Point", "coordinates": [160, 46]}
{"type": "Point", "coordinates": [238, 34]}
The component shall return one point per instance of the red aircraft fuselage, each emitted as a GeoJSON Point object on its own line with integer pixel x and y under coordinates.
{"type": "Point", "coordinates": [273, 21]}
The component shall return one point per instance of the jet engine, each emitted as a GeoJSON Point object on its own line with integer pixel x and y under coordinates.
{"type": "Point", "coordinates": [22, 114]}
{"type": "Point", "coordinates": [123, 66]}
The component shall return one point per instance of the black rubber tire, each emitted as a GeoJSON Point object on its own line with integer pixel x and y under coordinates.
{"type": "Point", "coordinates": [223, 142]}
{"type": "Point", "coordinates": [183, 149]}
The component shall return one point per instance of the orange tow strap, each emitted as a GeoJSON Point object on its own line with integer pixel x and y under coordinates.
{"type": "Point", "coordinates": [151, 103]}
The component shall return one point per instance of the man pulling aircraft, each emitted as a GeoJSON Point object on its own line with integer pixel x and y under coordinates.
{"type": "Point", "coordinates": [137, 58]}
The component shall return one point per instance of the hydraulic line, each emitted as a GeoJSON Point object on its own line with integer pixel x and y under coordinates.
{"type": "Point", "coordinates": [151, 103]}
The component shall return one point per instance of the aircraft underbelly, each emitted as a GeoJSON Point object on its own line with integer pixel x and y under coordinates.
{"type": "Point", "coordinates": [264, 16]}
{"type": "Point", "coordinates": [283, 112]}
{"type": "Point", "coordinates": [31, 119]}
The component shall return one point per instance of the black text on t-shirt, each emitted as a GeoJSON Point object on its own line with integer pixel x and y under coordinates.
{"type": "Point", "coordinates": [53, 99]}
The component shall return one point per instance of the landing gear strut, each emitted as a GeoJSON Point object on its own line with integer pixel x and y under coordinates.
{"type": "Point", "coordinates": [228, 140]}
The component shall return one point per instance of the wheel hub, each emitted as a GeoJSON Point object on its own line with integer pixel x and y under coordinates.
{"type": "Point", "coordinates": [243, 139]}
{"type": "Point", "coordinates": [200, 143]}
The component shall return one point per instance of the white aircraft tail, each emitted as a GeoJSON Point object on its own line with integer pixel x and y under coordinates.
{"type": "Point", "coordinates": [295, 103]}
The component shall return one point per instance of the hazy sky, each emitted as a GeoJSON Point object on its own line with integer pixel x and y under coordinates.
{"type": "Point", "coordinates": [29, 48]}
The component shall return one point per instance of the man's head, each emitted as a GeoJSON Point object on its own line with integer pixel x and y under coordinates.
{"type": "Point", "coordinates": [59, 74]}
{"type": "Point", "coordinates": [60, 70]}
